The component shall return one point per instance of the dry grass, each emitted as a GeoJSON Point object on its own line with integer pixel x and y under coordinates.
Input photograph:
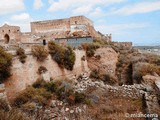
{"type": "Point", "coordinates": [40, 53]}
{"type": "Point", "coordinates": [12, 115]}
{"type": "Point", "coordinates": [114, 108]}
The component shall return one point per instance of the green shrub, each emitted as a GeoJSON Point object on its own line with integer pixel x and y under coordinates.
{"type": "Point", "coordinates": [94, 74]}
{"type": "Point", "coordinates": [61, 93]}
{"type": "Point", "coordinates": [108, 79]}
{"type": "Point", "coordinates": [64, 56]}
{"type": "Point", "coordinates": [38, 95]}
{"type": "Point", "coordinates": [149, 69]}
{"type": "Point", "coordinates": [83, 58]}
{"type": "Point", "coordinates": [142, 69]}
{"type": "Point", "coordinates": [90, 48]}
{"type": "Point", "coordinates": [4, 105]}
{"type": "Point", "coordinates": [21, 55]}
{"type": "Point", "coordinates": [5, 65]}
{"type": "Point", "coordinates": [62, 90]}
{"type": "Point", "coordinates": [100, 41]}
{"type": "Point", "coordinates": [40, 83]}
{"type": "Point", "coordinates": [51, 87]}
{"type": "Point", "coordinates": [80, 97]}
{"type": "Point", "coordinates": [39, 52]}
{"type": "Point", "coordinates": [152, 58]}
{"type": "Point", "coordinates": [90, 52]}
{"type": "Point", "coordinates": [69, 58]}
{"type": "Point", "coordinates": [42, 69]}
{"type": "Point", "coordinates": [29, 107]}
{"type": "Point", "coordinates": [12, 115]}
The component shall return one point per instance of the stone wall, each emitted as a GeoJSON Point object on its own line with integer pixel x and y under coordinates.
{"type": "Point", "coordinates": [9, 34]}
{"type": "Point", "coordinates": [76, 26]}
{"type": "Point", "coordinates": [50, 26]}
{"type": "Point", "coordinates": [26, 74]}
{"type": "Point", "coordinates": [80, 20]}
{"type": "Point", "coordinates": [66, 27]}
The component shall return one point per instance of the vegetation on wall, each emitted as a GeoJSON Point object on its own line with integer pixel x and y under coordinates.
{"type": "Point", "coordinates": [106, 78]}
{"type": "Point", "coordinates": [39, 52]}
{"type": "Point", "coordinates": [5, 65]}
{"type": "Point", "coordinates": [90, 48]}
{"type": "Point", "coordinates": [30, 94]}
{"type": "Point", "coordinates": [12, 115]}
{"type": "Point", "coordinates": [62, 90]}
{"type": "Point", "coordinates": [42, 69]}
{"type": "Point", "coordinates": [21, 55]}
{"type": "Point", "coordinates": [64, 56]}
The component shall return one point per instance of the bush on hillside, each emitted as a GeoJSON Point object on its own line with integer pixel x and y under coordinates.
{"type": "Point", "coordinates": [149, 69]}
{"type": "Point", "coordinates": [5, 65]}
{"type": "Point", "coordinates": [21, 55]}
{"type": "Point", "coordinates": [42, 69]}
{"type": "Point", "coordinates": [69, 58]}
{"type": "Point", "coordinates": [64, 56]}
{"type": "Point", "coordinates": [94, 74]}
{"type": "Point", "coordinates": [142, 69]}
{"type": "Point", "coordinates": [39, 52]}
{"type": "Point", "coordinates": [152, 58]}
{"type": "Point", "coordinates": [40, 83]}
{"type": "Point", "coordinates": [30, 94]}
{"type": "Point", "coordinates": [106, 78]}
{"type": "Point", "coordinates": [4, 105]}
{"type": "Point", "coordinates": [12, 115]}
{"type": "Point", "coordinates": [49, 86]}
{"type": "Point", "coordinates": [90, 48]}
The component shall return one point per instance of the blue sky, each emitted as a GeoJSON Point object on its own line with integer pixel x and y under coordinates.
{"type": "Point", "coordinates": [127, 20]}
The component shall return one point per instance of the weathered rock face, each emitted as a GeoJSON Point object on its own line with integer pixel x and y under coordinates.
{"type": "Point", "coordinates": [26, 74]}
{"type": "Point", "coordinates": [107, 62]}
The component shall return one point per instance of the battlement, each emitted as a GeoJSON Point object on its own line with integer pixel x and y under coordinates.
{"type": "Point", "coordinates": [60, 25]}
{"type": "Point", "coordinates": [73, 27]}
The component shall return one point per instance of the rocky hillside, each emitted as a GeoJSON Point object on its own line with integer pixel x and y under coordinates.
{"type": "Point", "coordinates": [108, 80]}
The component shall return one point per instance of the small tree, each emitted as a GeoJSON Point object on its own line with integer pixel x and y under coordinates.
{"type": "Point", "coordinates": [39, 52]}
{"type": "Point", "coordinates": [69, 58]}
{"type": "Point", "coordinates": [21, 55]}
{"type": "Point", "coordinates": [5, 65]}
{"type": "Point", "coordinates": [64, 56]}
{"type": "Point", "coordinates": [90, 48]}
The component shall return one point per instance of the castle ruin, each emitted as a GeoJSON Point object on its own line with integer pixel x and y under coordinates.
{"type": "Point", "coordinates": [44, 31]}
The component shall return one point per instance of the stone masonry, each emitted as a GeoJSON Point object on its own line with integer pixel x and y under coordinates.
{"type": "Point", "coordinates": [44, 31]}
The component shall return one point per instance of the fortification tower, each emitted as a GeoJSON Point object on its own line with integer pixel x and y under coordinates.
{"type": "Point", "coordinates": [9, 34]}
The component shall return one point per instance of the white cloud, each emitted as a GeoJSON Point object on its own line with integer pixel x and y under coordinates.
{"type": "Point", "coordinates": [82, 9]}
{"type": "Point", "coordinates": [74, 4]}
{"type": "Point", "coordinates": [10, 6]}
{"type": "Point", "coordinates": [143, 7]}
{"type": "Point", "coordinates": [120, 28]}
{"type": "Point", "coordinates": [21, 17]}
{"type": "Point", "coordinates": [97, 13]}
{"type": "Point", "coordinates": [37, 4]}
{"type": "Point", "coordinates": [23, 20]}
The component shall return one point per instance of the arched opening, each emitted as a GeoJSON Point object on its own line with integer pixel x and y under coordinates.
{"type": "Point", "coordinates": [44, 42]}
{"type": "Point", "coordinates": [6, 38]}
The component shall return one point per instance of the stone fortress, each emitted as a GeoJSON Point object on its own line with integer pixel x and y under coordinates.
{"type": "Point", "coordinates": [70, 29]}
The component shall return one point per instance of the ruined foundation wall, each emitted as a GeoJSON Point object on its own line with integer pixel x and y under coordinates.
{"type": "Point", "coordinates": [26, 74]}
